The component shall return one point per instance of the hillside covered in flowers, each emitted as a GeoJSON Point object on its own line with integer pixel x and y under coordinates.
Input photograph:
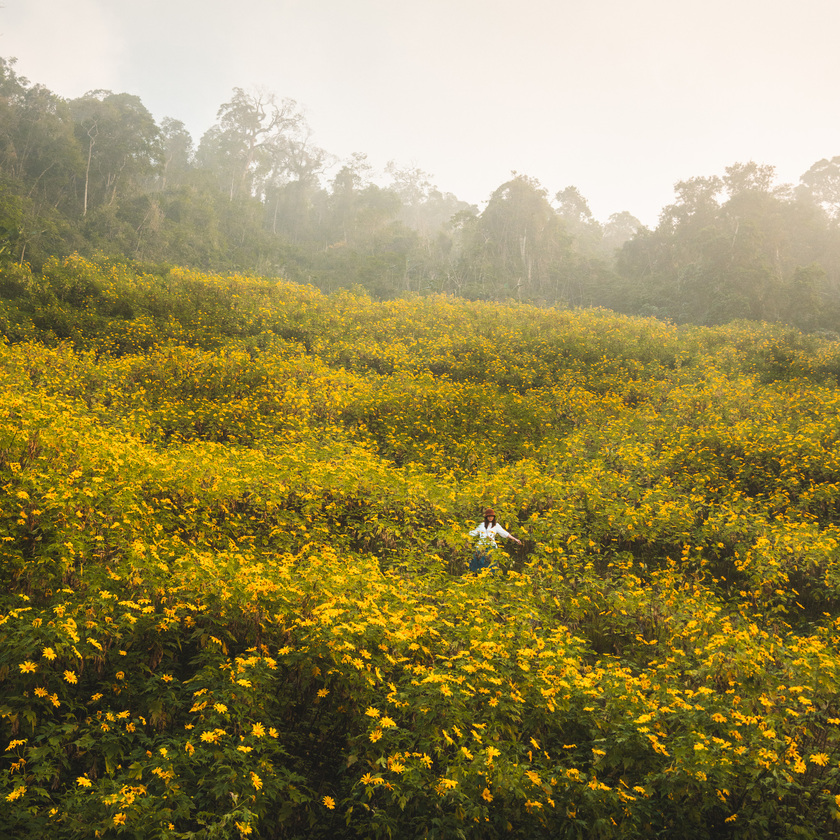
{"type": "Point", "coordinates": [235, 599]}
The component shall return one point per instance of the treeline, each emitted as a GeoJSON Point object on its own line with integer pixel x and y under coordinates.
{"type": "Point", "coordinates": [257, 195]}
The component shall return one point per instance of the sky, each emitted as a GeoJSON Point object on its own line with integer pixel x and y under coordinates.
{"type": "Point", "coordinates": [620, 99]}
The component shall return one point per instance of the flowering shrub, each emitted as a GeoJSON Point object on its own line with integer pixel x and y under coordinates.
{"type": "Point", "coordinates": [234, 597]}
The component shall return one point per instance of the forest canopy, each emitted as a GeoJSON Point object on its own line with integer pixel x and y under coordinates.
{"type": "Point", "coordinates": [255, 194]}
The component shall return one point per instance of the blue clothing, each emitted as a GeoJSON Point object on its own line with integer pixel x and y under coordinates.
{"type": "Point", "coordinates": [481, 559]}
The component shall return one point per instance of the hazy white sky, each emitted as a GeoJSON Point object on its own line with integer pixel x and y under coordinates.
{"type": "Point", "coordinates": [621, 99]}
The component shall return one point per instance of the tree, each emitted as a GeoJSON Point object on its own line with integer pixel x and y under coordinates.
{"type": "Point", "coordinates": [574, 210]}
{"type": "Point", "coordinates": [176, 153]}
{"type": "Point", "coordinates": [356, 204]}
{"type": "Point", "coordinates": [748, 177]}
{"type": "Point", "coordinates": [696, 202]}
{"type": "Point", "coordinates": [821, 183]}
{"type": "Point", "coordinates": [293, 192]}
{"type": "Point", "coordinates": [38, 148]}
{"type": "Point", "coordinates": [620, 228]}
{"type": "Point", "coordinates": [517, 246]}
{"type": "Point", "coordinates": [251, 144]}
{"type": "Point", "coordinates": [121, 143]}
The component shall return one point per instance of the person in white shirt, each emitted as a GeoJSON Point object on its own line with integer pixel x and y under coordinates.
{"type": "Point", "coordinates": [487, 532]}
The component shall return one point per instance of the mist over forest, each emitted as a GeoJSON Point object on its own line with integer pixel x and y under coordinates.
{"type": "Point", "coordinates": [256, 194]}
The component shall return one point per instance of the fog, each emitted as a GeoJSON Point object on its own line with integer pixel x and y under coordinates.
{"type": "Point", "coordinates": [621, 100]}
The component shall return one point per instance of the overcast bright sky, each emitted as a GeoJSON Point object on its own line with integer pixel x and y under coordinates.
{"type": "Point", "coordinates": [621, 99]}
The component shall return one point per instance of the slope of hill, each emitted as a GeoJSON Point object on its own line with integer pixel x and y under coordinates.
{"type": "Point", "coordinates": [235, 599]}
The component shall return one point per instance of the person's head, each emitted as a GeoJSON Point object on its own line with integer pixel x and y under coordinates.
{"type": "Point", "coordinates": [489, 515]}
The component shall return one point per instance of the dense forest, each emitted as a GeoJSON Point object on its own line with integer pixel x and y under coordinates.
{"type": "Point", "coordinates": [235, 600]}
{"type": "Point", "coordinates": [97, 174]}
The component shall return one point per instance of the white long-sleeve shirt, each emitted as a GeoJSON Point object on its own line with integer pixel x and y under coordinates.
{"type": "Point", "coordinates": [487, 535]}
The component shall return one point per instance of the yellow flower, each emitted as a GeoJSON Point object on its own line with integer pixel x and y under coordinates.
{"type": "Point", "coordinates": [375, 735]}
{"type": "Point", "coordinates": [119, 819]}
{"type": "Point", "coordinates": [70, 677]}
{"type": "Point", "coordinates": [386, 722]}
{"type": "Point", "coordinates": [486, 795]}
{"type": "Point", "coordinates": [83, 781]}
{"type": "Point", "coordinates": [372, 712]}
{"type": "Point", "coordinates": [28, 667]}
{"type": "Point", "coordinates": [256, 780]}
{"type": "Point", "coordinates": [220, 708]}
{"type": "Point", "coordinates": [819, 758]}
{"type": "Point", "coordinates": [323, 692]}
{"type": "Point", "coordinates": [534, 777]}
{"type": "Point", "coordinates": [329, 802]}
{"type": "Point", "coordinates": [49, 653]}
{"type": "Point", "coordinates": [16, 794]}
{"type": "Point", "coordinates": [258, 731]}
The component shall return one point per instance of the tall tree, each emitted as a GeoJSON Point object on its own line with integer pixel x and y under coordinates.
{"type": "Point", "coordinates": [619, 228]}
{"type": "Point", "coordinates": [574, 210]}
{"type": "Point", "coordinates": [121, 143]}
{"type": "Point", "coordinates": [517, 246]}
{"type": "Point", "coordinates": [294, 192]}
{"type": "Point", "coordinates": [821, 183]}
{"type": "Point", "coordinates": [251, 144]}
{"type": "Point", "coordinates": [177, 153]}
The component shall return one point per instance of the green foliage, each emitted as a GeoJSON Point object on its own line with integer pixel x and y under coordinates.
{"type": "Point", "coordinates": [234, 599]}
{"type": "Point", "coordinates": [97, 175]}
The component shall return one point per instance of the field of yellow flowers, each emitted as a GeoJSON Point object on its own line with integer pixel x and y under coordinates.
{"type": "Point", "coordinates": [234, 595]}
